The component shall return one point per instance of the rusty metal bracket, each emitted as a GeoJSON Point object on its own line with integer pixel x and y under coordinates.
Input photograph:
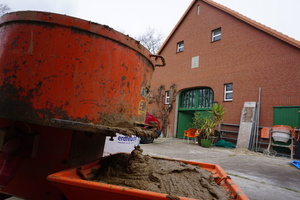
{"type": "Point", "coordinates": [70, 123]}
{"type": "Point", "coordinates": [137, 129]}
{"type": "Point", "coordinates": [163, 61]}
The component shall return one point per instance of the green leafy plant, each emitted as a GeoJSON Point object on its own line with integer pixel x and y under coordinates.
{"type": "Point", "coordinates": [198, 120]}
{"type": "Point", "coordinates": [208, 128]}
{"type": "Point", "coordinates": [218, 112]}
{"type": "Point", "coordinates": [205, 124]}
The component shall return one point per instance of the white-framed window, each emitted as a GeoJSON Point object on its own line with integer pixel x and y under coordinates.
{"type": "Point", "coordinates": [228, 92]}
{"type": "Point", "coordinates": [180, 46]}
{"type": "Point", "coordinates": [167, 97]}
{"type": "Point", "coordinates": [216, 34]}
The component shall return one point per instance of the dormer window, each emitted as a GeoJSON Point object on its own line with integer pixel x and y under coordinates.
{"type": "Point", "coordinates": [216, 35]}
{"type": "Point", "coordinates": [180, 46]}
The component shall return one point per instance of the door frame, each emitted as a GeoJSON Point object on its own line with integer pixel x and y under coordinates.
{"type": "Point", "coordinates": [189, 112]}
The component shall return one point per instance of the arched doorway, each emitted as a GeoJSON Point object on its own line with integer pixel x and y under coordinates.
{"type": "Point", "coordinates": [191, 101]}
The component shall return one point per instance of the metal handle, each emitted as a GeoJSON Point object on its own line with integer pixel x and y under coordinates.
{"type": "Point", "coordinates": [163, 61]}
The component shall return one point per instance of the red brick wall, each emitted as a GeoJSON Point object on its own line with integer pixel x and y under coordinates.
{"type": "Point", "coordinates": [245, 56]}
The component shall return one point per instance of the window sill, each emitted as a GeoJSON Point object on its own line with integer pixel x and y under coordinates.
{"type": "Point", "coordinates": [215, 41]}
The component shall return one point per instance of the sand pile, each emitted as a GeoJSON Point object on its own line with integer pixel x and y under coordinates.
{"type": "Point", "coordinates": [158, 175]}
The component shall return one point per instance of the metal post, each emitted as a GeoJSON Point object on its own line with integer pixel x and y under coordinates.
{"type": "Point", "coordinates": [257, 124]}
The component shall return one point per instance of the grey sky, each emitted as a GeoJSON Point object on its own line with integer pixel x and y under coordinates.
{"type": "Point", "coordinates": [133, 17]}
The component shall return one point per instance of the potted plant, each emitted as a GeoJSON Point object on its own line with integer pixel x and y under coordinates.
{"type": "Point", "coordinates": [218, 112]}
{"type": "Point", "coordinates": [206, 124]}
{"type": "Point", "coordinates": [207, 130]}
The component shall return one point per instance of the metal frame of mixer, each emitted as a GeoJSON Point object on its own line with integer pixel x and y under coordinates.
{"type": "Point", "coordinates": [267, 133]}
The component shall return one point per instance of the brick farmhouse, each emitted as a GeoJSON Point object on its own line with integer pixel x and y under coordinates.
{"type": "Point", "coordinates": [215, 54]}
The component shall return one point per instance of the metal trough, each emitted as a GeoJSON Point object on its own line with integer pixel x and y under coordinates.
{"type": "Point", "coordinates": [75, 188]}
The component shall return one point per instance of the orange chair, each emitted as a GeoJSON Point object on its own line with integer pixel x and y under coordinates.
{"type": "Point", "coordinates": [190, 133]}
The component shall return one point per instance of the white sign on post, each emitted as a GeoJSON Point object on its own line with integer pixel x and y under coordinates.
{"type": "Point", "coordinates": [121, 143]}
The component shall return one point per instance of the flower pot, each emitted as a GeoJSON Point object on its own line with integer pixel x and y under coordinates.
{"type": "Point", "coordinates": [206, 143]}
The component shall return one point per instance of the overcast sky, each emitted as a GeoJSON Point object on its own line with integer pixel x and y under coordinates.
{"type": "Point", "coordinates": [133, 17]}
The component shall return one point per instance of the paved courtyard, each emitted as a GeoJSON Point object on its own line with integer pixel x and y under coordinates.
{"type": "Point", "coordinates": [260, 177]}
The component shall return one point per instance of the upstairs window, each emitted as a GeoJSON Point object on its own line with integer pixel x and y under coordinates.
{"type": "Point", "coordinates": [167, 97]}
{"type": "Point", "coordinates": [216, 35]}
{"type": "Point", "coordinates": [180, 46]}
{"type": "Point", "coordinates": [228, 92]}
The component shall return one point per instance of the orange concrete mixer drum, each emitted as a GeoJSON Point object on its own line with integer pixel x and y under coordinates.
{"type": "Point", "coordinates": [56, 69]}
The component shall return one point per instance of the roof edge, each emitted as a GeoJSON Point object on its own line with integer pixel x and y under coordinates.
{"type": "Point", "coordinates": [255, 24]}
{"type": "Point", "coordinates": [176, 26]}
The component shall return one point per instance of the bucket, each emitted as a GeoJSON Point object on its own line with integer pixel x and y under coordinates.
{"type": "Point", "coordinates": [63, 70]}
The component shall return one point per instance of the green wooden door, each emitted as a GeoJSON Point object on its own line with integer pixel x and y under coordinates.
{"type": "Point", "coordinates": [191, 101]}
{"type": "Point", "coordinates": [185, 118]}
{"type": "Point", "coordinates": [287, 115]}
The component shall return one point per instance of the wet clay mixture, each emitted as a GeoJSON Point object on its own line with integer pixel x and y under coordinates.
{"type": "Point", "coordinates": [158, 175]}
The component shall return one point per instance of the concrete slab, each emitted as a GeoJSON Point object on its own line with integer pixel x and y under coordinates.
{"type": "Point", "coordinates": [259, 176]}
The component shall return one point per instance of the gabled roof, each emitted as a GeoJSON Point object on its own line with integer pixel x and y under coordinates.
{"type": "Point", "coordinates": [239, 16]}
